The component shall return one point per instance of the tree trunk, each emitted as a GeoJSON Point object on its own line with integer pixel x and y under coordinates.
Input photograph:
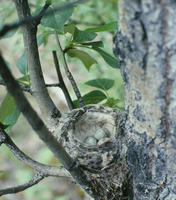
{"type": "Point", "coordinates": [145, 46]}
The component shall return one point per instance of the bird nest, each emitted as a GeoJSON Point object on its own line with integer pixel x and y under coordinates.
{"type": "Point", "coordinates": [89, 134]}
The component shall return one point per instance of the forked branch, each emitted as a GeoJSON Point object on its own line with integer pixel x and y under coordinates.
{"type": "Point", "coordinates": [61, 82]}
{"type": "Point", "coordinates": [68, 73]}
{"type": "Point", "coordinates": [11, 190]}
{"type": "Point", "coordinates": [46, 170]}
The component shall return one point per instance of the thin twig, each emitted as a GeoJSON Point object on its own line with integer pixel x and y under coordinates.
{"type": "Point", "coordinates": [11, 190]}
{"type": "Point", "coordinates": [44, 169]}
{"type": "Point", "coordinates": [61, 81]}
{"type": "Point", "coordinates": [68, 73]}
{"type": "Point", "coordinates": [28, 89]}
{"type": "Point", "coordinates": [8, 27]}
{"type": "Point", "coordinates": [25, 88]}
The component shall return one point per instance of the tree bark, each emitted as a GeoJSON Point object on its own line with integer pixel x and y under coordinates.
{"type": "Point", "coordinates": [145, 46]}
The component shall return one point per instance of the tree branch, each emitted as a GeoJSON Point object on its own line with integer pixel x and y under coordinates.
{"type": "Point", "coordinates": [23, 87]}
{"type": "Point", "coordinates": [28, 89]}
{"type": "Point", "coordinates": [2, 136]}
{"type": "Point", "coordinates": [8, 27]}
{"type": "Point", "coordinates": [47, 107]}
{"type": "Point", "coordinates": [68, 73]}
{"type": "Point", "coordinates": [46, 170]}
{"type": "Point", "coordinates": [45, 135]}
{"type": "Point", "coordinates": [32, 117]}
{"type": "Point", "coordinates": [11, 190]}
{"type": "Point", "coordinates": [62, 84]}
{"type": "Point", "coordinates": [53, 85]}
{"type": "Point", "coordinates": [43, 11]}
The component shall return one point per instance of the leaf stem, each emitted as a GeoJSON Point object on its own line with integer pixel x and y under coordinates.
{"type": "Point", "coordinates": [61, 82]}
{"type": "Point", "coordinates": [68, 73]}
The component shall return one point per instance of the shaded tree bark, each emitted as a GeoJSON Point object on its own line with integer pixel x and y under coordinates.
{"type": "Point", "coordinates": [145, 46]}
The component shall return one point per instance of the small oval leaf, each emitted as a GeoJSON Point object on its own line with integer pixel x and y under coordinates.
{"type": "Point", "coordinates": [103, 83]}
{"type": "Point", "coordinates": [22, 64]}
{"type": "Point", "coordinates": [92, 97]}
{"type": "Point", "coordinates": [87, 60]}
{"type": "Point", "coordinates": [112, 26]}
{"type": "Point", "coordinates": [93, 44]}
{"type": "Point", "coordinates": [82, 36]}
{"type": "Point", "coordinates": [50, 20]}
{"type": "Point", "coordinates": [57, 19]}
{"type": "Point", "coordinates": [8, 112]}
{"type": "Point", "coordinates": [107, 57]}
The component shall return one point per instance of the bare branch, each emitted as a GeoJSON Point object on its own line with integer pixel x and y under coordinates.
{"type": "Point", "coordinates": [62, 84]}
{"type": "Point", "coordinates": [28, 89]}
{"type": "Point", "coordinates": [44, 169]}
{"type": "Point", "coordinates": [45, 135]}
{"type": "Point", "coordinates": [8, 27]}
{"type": "Point", "coordinates": [11, 190]}
{"type": "Point", "coordinates": [25, 88]}
{"type": "Point", "coordinates": [68, 73]}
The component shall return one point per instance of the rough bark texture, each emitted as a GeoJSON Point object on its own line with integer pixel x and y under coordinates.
{"type": "Point", "coordinates": [145, 46]}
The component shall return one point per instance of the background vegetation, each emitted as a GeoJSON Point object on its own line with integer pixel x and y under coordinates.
{"type": "Point", "coordinates": [98, 79]}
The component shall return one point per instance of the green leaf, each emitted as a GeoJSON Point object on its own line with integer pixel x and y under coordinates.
{"type": "Point", "coordinates": [87, 60]}
{"type": "Point", "coordinates": [93, 44]}
{"type": "Point", "coordinates": [57, 19]}
{"type": "Point", "coordinates": [92, 97]}
{"type": "Point", "coordinates": [22, 64]}
{"type": "Point", "coordinates": [112, 26]}
{"type": "Point", "coordinates": [12, 119]}
{"type": "Point", "coordinates": [69, 28]}
{"type": "Point", "coordinates": [43, 38]}
{"type": "Point", "coordinates": [50, 20]}
{"type": "Point", "coordinates": [40, 39]}
{"type": "Point", "coordinates": [103, 83]}
{"type": "Point", "coordinates": [107, 57]}
{"type": "Point", "coordinates": [111, 102]}
{"type": "Point", "coordinates": [81, 36]}
{"type": "Point", "coordinates": [8, 112]}
{"type": "Point", "coordinates": [78, 35]}
{"type": "Point", "coordinates": [62, 17]}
